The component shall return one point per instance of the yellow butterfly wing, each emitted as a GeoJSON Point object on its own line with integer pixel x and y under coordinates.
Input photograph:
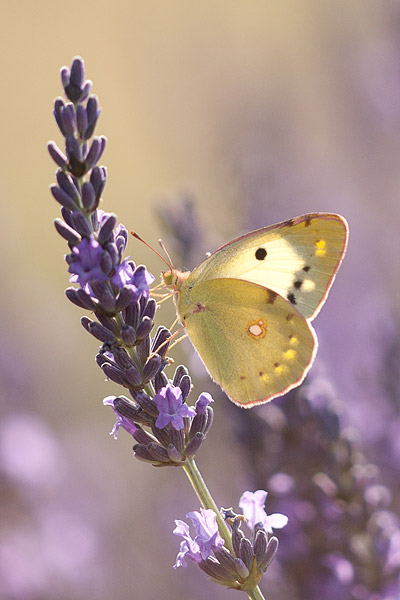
{"type": "Point", "coordinates": [298, 259]}
{"type": "Point", "coordinates": [254, 343]}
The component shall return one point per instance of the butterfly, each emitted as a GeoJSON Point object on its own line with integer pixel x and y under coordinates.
{"type": "Point", "coordinates": [248, 306]}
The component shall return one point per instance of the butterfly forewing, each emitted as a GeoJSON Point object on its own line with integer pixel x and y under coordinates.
{"type": "Point", "coordinates": [298, 259]}
{"type": "Point", "coordinates": [254, 343]}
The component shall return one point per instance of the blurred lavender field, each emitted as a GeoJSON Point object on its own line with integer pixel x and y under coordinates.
{"type": "Point", "coordinates": [245, 117]}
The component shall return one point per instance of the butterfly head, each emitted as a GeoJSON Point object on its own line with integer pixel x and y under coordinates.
{"type": "Point", "coordinates": [174, 279]}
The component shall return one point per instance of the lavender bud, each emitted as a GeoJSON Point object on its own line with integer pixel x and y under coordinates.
{"type": "Point", "coordinates": [144, 328]}
{"type": "Point", "coordinates": [133, 377]}
{"type": "Point", "coordinates": [113, 373]}
{"type": "Point", "coordinates": [142, 437]}
{"type": "Point", "coordinates": [98, 331]}
{"type": "Point", "coordinates": [77, 74]}
{"type": "Point", "coordinates": [241, 568]}
{"type": "Point", "coordinates": [173, 454]}
{"type": "Point", "coordinates": [69, 120]}
{"type": "Point", "coordinates": [107, 227]}
{"type": "Point", "coordinates": [237, 536]}
{"type": "Point", "coordinates": [210, 419]}
{"type": "Point", "coordinates": [198, 425]}
{"type": "Point", "coordinates": [122, 358]}
{"type": "Point", "coordinates": [72, 295]}
{"type": "Point", "coordinates": [81, 120]}
{"type": "Point", "coordinates": [124, 299]}
{"type": "Point", "coordinates": [86, 299]}
{"type": "Point", "coordinates": [66, 183]}
{"type": "Point", "coordinates": [87, 88]}
{"type": "Point", "coordinates": [59, 157]}
{"type": "Point", "coordinates": [160, 343]}
{"type": "Point", "coordinates": [93, 112]}
{"type": "Point", "coordinates": [160, 381]}
{"type": "Point", "coordinates": [112, 250]}
{"type": "Point", "coordinates": [109, 323]}
{"type": "Point", "coordinates": [215, 570]}
{"type": "Point", "coordinates": [128, 335]}
{"type": "Point", "coordinates": [142, 452]}
{"type": "Point", "coordinates": [179, 373]}
{"type": "Point", "coordinates": [98, 178]}
{"type": "Point", "coordinates": [185, 385]}
{"type": "Point", "coordinates": [143, 349]}
{"type": "Point", "coordinates": [150, 309]}
{"type": "Point", "coordinates": [162, 435]}
{"type": "Point", "coordinates": [272, 547]}
{"type": "Point", "coordinates": [96, 150]}
{"type": "Point", "coordinates": [81, 224]}
{"type": "Point", "coordinates": [158, 452]}
{"type": "Point", "coordinates": [73, 80]}
{"type": "Point", "coordinates": [65, 72]}
{"type": "Point", "coordinates": [147, 404]}
{"type": "Point", "coordinates": [226, 559]}
{"type": "Point", "coordinates": [106, 263]}
{"type": "Point", "coordinates": [58, 110]}
{"type": "Point", "coordinates": [246, 553]}
{"type": "Point", "coordinates": [177, 439]}
{"type": "Point", "coordinates": [67, 232]}
{"type": "Point", "coordinates": [194, 444]}
{"type": "Point", "coordinates": [73, 150]}
{"type": "Point", "coordinates": [88, 196]}
{"type": "Point", "coordinates": [62, 197]}
{"type": "Point", "coordinates": [102, 360]}
{"type": "Point", "coordinates": [131, 314]}
{"type": "Point", "coordinates": [67, 216]}
{"type": "Point", "coordinates": [103, 293]}
{"type": "Point", "coordinates": [126, 407]}
{"type": "Point", "coordinates": [151, 367]}
{"type": "Point", "coordinates": [260, 545]}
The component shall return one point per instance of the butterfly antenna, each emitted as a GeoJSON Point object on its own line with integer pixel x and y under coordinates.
{"type": "Point", "coordinates": [169, 264]}
{"type": "Point", "coordinates": [165, 250]}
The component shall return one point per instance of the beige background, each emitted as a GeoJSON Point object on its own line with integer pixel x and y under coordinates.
{"type": "Point", "coordinates": [262, 110]}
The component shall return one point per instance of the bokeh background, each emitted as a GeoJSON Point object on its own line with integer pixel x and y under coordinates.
{"type": "Point", "coordinates": [246, 113]}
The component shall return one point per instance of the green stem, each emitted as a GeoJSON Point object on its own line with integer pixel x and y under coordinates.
{"type": "Point", "coordinates": [207, 501]}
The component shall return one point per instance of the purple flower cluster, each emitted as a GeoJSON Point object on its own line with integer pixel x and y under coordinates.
{"type": "Point", "coordinates": [116, 291]}
{"type": "Point", "coordinates": [242, 568]}
{"type": "Point", "coordinates": [166, 429]}
{"type": "Point", "coordinates": [342, 540]}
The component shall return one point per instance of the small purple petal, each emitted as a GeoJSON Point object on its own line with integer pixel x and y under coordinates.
{"type": "Point", "coordinates": [86, 266]}
{"type": "Point", "coordinates": [121, 421]}
{"type": "Point", "coordinates": [252, 505]}
{"type": "Point", "coordinates": [172, 409]}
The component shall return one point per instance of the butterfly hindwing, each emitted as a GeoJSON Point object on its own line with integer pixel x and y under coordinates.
{"type": "Point", "coordinates": [254, 343]}
{"type": "Point", "coordinates": [298, 259]}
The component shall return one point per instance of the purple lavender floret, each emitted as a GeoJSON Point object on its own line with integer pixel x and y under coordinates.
{"type": "Point", "coordinates": [116, 291]}
{"type": "Point", "coordinates": [240, 567]}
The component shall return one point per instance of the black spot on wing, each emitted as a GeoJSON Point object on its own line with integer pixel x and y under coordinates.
{"type": "Point", "coordinates": [260, 253]}
{"type": "Point", "coordinates": [291, 297]}
{"type": "Point", "coordinates": [297, 284]}
{"type": "Point", "coordinates": [306, 268]}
